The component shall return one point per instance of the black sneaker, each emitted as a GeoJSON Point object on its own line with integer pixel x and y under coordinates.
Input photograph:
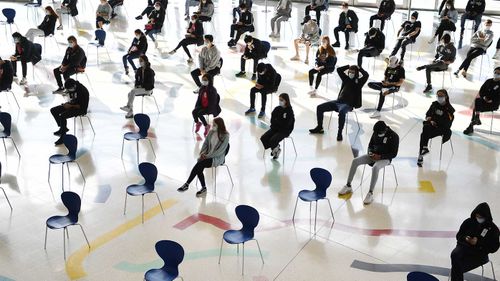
{"type": "Point", "coordinates": [61, 132]}
{"type": "Point", "coordinates": [240, 74]}
{"type": "Point", "coordinates": [339, 137]}
{"type": "Point", "coordinates": [336, 44]}
{"type": "Point", "coordinates": [476, 121]}
{"type": "Point", "coordinates": [428, 88]}
{"type": "Point", "coordinates": [183, 188]}
{"type": "Point", "coordinates": [254, 77]}
{"type": "Point", "coordinates": [59, 141]}
{"type": "Point", "coordinates": [469, 130]}
{"type": "Point", "coordinates": [59, 90]}
{"type": "Point", "coordinates": [460, 44]}
{"type": "Point", "coordinates": [317, 130]}
{"type": "Point", "coordinates": [424, 151]}
{"type": "Point", "coordinates": [420, 67]}
{"type": "Point", "coordinates": [420, 161]}
{"type": "Point", "coordinates": [346, 47]}
{"type": "Point", "coordinates": [113, 15]}
{"type": "Point", "coordinates": [138, 17]}
{"type": "Point", "coordinates": [201, 192]}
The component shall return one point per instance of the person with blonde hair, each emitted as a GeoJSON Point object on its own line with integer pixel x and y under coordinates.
{"type": "Point", "coordinates": [325, 63]}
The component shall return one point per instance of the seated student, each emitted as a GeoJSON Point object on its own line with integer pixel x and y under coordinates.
{"type": "Point", "coordinates": [24, 52]}
{"type": "Point", "coordinates": [47, 27]}
{"type": "Point", "coordinates": [476, 239]}
{"type": "Point", "coordinates": [138, 47]}
{"type": "Point", "coordinates": [317, 6]}
{"type": "Point", "coordinates": [488, 99]}
{"type": "Point", "coordinates": [438, 120]}
{"type": "Point", "coordinates": [156, 20]}
{"type": "Point", "coordinates": [102, 14]}
{"type": "Point", "coordinates": [473, 11]}
{"type": "Point", "coordinates": [212, 154]}
{"type": "Point", "coordinates": [114, 4]}
{"type": "Point", "coordinates": [151, 7]}
{"type": "Point", "coordinates": [237, 10]}
{"type": "Point", "coordinates": [205, 10]}
{"type": "Point", "coordinates": [194, 35]}
{"type": "Point", "coordinates": [74, 59]}
{"type": "Point", "coordinates": [385, 10]}
{"type": "Point", "coordinates": [479, 44]}
{"type": "Point", "coordinates": [6, 75]}
{"type": "Point", "coordinates": [349, 97]}
{"type": "Point", "coordinates": [383, 147]}
{"type": "Point", "coordinates": [78, 104]}
{"type": "Point", "coordinates": [68, 7]}
{"type": "Point", "coordinates": [266, 83]}
{"type": "Point", "coordinates": [144, 85]}
{"type": "Point", "coordinates": [244, 24]}
{"type": "Point", "coordinates": [209, 61]}
{"type": "Point", "coordinates": [282, 122]}
{"type": "Point", "coordinates": [187, 4]}
{"type": "Point", "coordinates": [394, 77]}
{"type": "Point", "coordinates": [310, 35]}
{"type": "Point", "coordinates": [496, 56]}
{"type": "Point", "coordinates": [348, 22]}
{"type": "Point", "coordinates": [407, 34]}
{"type": "Point", "coordinates": [448, 18]}
{"type": "Point", "coordinates": [206, 103]}
{"type": "Point", "coordinates": [445, 55]}
{"type": "Point", "coordinates": [254, 50]}
{"type": "Point", "coordinates": [374, 45]}
{"type": "Point", "coordinates": [283, 13]}
{"type": "Point", "coordinates": [325, 63]}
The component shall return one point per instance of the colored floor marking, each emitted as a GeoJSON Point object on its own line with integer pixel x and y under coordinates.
{"type": "Point", "coordinates": [426, 186]}
{"type": "Point", "coordinates": [3, 278]}
{"type": "Point", "coordinates": [189, 221]}
{"type": "Point", "coordinates": [74, 264]}
{"type": "Point", "coordinates": [103, 193]}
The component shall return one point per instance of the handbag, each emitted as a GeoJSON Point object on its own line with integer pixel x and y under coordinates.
{"type": "Point", "coordinates": [148, 26]}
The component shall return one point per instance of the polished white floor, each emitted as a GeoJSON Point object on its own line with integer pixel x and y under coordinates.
{"type": "Point", "coordinates": [413, 224]}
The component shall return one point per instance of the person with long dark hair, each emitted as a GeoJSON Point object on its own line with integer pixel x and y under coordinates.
{"type": "Point", "coordinates": [212, 154]}
{"type": "Point", "coordinates": [144, 85]}
{"type": "Point", "coordinates": [47, 27]}
{"type": "Point", "coordinates": [206, 103]}
{"type": "Point", "coordinates": [25, 52]}
{"type": "Point", "coordinates": [138, 47]}
{"type": "Point", "coordinates": [194, 35]}
{"type": "Point", "coordinates": [282, 123]}
{"type": "Point", "coordinates": [325, 64]}
{"type": "Point", "coordinates": [448, 18]}
{"type": "Point", "coordinates": [205, 10]}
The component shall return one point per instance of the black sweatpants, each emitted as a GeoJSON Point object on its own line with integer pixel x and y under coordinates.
{"type": "Point", "coordinates": [429, 132]}
{"type": "Point", "coordinates": [184, 43]}
{"type": "Point", "coordinates": [444, 26]}
{"type": "Point", "coordinates": [272, 138]}
{"type": "Point", "coordinates": [367, 52]}
{"type": "Point", "coordinates": [498, 44]}
{"type": "Point", "coordinates": [464, 259]}
{"type": "Point", "coordinates": [471, 54]}
{"type": "Point", "coordinates": [198, 113]}
{"type": "Point", "coordinates": [481, 105]}
{"type": "Point", "coordinates": [402, 43]}
{"type": "Point", "coordinates": [24, 66]}
{"type": "Point", "coordinates": [197, 72]}
{"type": "Point", "coordinates": [198, 171]}
{"type": "Point", "coordinates": [66, 74]}
{"type": "Point", "coordinates": [239, 29]}
{"type": "Point", "coordinates": [378, 86]}
{"type": "Point", "coordinates": [60, 114]}
{"type": "Point", "coordinates": [334, 105]}
{"type": "Point", "coordinates": [318, 10]}
{"type": "Point", "coordinates": [263, 92]}
{"type": "Point", "coordinates": [318, 77]}
{"type": "Point", "coordinates": [243, 62]}
{"type": "Point", "coordinates": [382, 20]}
{"type": "Point", "coordinates": [435, 66]}
{"type": "Point", "coordinates": [346, 31]}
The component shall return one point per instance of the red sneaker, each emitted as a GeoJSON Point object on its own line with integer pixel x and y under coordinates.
{"type": "Point", "coordinates": [207, 129]}
{"type": "Point", "coordinates": [197, 127]}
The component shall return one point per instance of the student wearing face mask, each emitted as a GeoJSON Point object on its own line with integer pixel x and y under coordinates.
{"type": "Point", "coordinates": [385, 10]}
{"type": "Point", "coordinates": [207, 103]}
{"type": "Point", "coordinates": [438, 120]}
{"type": "Point", "coordinates": [209, 61]}
{"type": "Point", "coordinates": [47, 27]}
{"type": "Point", "coordinates": [138, 47]}
{"type": "Point", "coordinates": [78, 104]}
{"type": "Point", "coordinates": [348, 22]}
{"type": "Point", "coordinates": [310, 35]}
{"type": "Point", "coordinates": [151, 7]}
{"type": "Point", "coordinates": [194, 35]}
{"type": "Point", "coordinates": [74, 60]}
{"type": "Point", "coordinates": [267, 82]}
{"type": "Point", "coordinates": [353, 79]}
{"type": "Point", "coordinates": [6, 75]}
{"type": "Point", "coordinates": [407, 34]}
{"type": "Point", "coordinates": [254, 50]}
{"type": "Point", "coordinates": [473, 11]}
{"type": "Point", "coordinates": [68, 7]}
{"type": "Point", "coordinates": [205, 10]}
{"type": "Point", "coordinates": [374, 45]}
{"type": "Point", "coordinates": [479, 44]}
{"type": "Point", "coordinates": [317, 6]}
{"type": "Point", "coordinates": [237, 10]}
{"type": "Point", "coordinates": [283, 13]}
{"type": "Point", "coordinates": [383, 147]}
{"type": "Point", "coordinates": [212, 154]}
{"type": "Point", "coordinates": [325, 63]}
{"type": "Point", "coordinates": [282, 122]}
{"type": "Point", "coordinates": [476, 239]}
{"type": "Point", "coordinates": [103, 14]}
{"type": "Point", "coordinates": [244, 24]}
{"type": "Point", "coordinates": [445, 55]}
{"type": "Point", "coordinates": [144, 85]}
{"type": "Point", "coordinates": [448, 18]}
{"type": "Point", "coordinates": [156, 20]}
{"type": "Point", "coordinates": [488, 99]}
{"type": "Point", "coordinates": [394, 77]}
{"type": "Point", "coordinates": [24, 52]}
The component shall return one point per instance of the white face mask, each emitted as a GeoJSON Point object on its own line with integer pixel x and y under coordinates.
{"type": "Point", "coordinates": [47, 13]}
{"type": "Point", "coordinates": [413, 20]}
{"type": "Point", "coordinates": [214, 127]}
{"type": "Point", "coordinates": [345, 10]}
{"type": "Point", "coordinates": [448, 7]}
{"type": "Point", "coordinates": [138, 37]}
{"type": "Point", "coordinates": [16, 40]}
{"type": "Point", "coordinates": [352, 75]}
{"type": "Point", "coordinates": [143, 64]}
{"type": "Point", "coordinates": [325, 44]}
{"type": "Point", "coordinates": [282, 103]}
{"type": "Point", "coordinates": [480, 220]}
{"type": "Point", "coordinates": [487, 27]}
{"type": "Point", "coordinates": [157, 8]}
{"type": "Point", "coordinates": [380, 135]}
{"type": "Point", "coordinates": [204, 82]}
{"type": "Point", "coordinates": [393, 62]}
{"type": "Point", "coordinates": [496, 76]}
{"type": "Point", "coordinates": [70, 45]}
{"type": "Point", "coordinates": [441, 100]}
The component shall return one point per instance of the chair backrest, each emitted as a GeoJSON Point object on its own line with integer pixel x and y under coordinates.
{"type": "Point", "coordinates": [420, 276]}
{"type": "Point", "coordinates": [10, 14]}
{"type": "Point", "coordinates": [38, 48]}
{"type": "Point", "coordinates": [149, 172]}
{"type": "Point", "coordinates": [172, 255]}
{"type": "Point", "coordinates": [267, 46]}
{"type": "Point", "coordinates": [6, 121]}
{"type": "Point", "coordinates": [72, 202]}
{"type": "Point", "coordinates": [249, 218]}
{"type": "Point", "coordinates": [142, 121]}
{"type": "Point", "coordinates": [100, 35]}
{"type": "Point", "coordinates": [71, 144]}
{"type": "Point", "coordinates": [321, 178]}
{"type": "Point", "coordinates": [277, 82]}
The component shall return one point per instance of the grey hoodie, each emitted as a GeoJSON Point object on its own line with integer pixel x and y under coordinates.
{"type": "Point", "coordinates": [287, 11]}
{"type": "Point", "coordinates": [209, 58]}
{"type": "Point", "coordinates": [207, 10]}
{"type": "Point", "coordinates": [477, 42]}
{"type": "Point", "coordinates": [310, 31]}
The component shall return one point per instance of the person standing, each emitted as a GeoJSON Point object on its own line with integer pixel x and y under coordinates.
{"type": "Point", "coordinates": [282, 123]}
{"type": "Point", "coordinates": [144, 85]}
{"type": "Point", "coordinates": [138, 47]}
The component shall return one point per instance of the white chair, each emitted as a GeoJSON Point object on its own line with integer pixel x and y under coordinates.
{"type": "Point", "coordinates": [441, 148]}
{"type": "Point", "coordinates": [482, 271]}
{"type": "Point", "coordinates": [383, 175]}
{"type": "Point", "coordinates": [346, 120]}
{"type": "Point", "coordinates": [81, 122]}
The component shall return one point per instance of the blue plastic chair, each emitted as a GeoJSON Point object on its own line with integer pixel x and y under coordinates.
{"type": "Point", "coordinates": [72, 202]}
{"type": "Point", "coordinates": [8, 201]}
{"type": "Point", "coordinates": [33, 7]}
{"type": "Point", "coordinates": [172, 255]}
{"type": "Point", "coordinates": [249, 218]}
{"type": "Point", "coordinates": [71, 143]}
{"type": "Point", "coordinates": [6, 121]}
{"type": "Point", "coordinates": [149, 172]}
{"type": "Point", "coordinates": [9, 14]}
{"type": "Point", "coordinates": [100, 35]}
{"type": "Point", "coordinates": [322, 179]}
{"type": "Point", "coordinates": [142, 121]}
{"type": "Point", "coordinates": [420, 276]}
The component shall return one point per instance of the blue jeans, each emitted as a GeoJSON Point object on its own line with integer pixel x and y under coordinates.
{"type": "Point", "coordinates": [130, 58]}
{"type": "Point", "coordinates": [334, 105]}
{"type": "Point", "coordinates": [152, 32]}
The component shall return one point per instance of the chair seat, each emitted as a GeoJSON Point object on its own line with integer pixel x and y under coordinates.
{"type": "Point", "coordinates": [310, 195]}
{"type": "Point", "coordinates": [236, 237]}
{"type": "Point", "coordinates": [139, 189]}
{"type": "Point", "coordinates": [144, 95]}
{"type": "Point", "coordinates": [159, 275]}
{"type": "Point", "coordinates": [420, 276]}
{"type": "Point", "coordinates": [133, 136]}
{"type": "Point", "coordinates": [96, 44]}
{"type": "Point", "coordinates": [60, 159]}
{"type": "Point", "coordinates": [57, 222]}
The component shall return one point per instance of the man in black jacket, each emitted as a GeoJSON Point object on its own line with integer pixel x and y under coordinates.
{"type": "Point", "coordinates": [383, 147]}
{"type": "Point", "coordinates": [25, 52]}
{"type": "Point", "coordinates": [348, 22]}
{"type": "Point", "coordinates": [74, 60]}
{"type": "Point", "coordinates": [266, 83]}
{"type": "Point", "coordinates": [374, 45]}
{"type": "Point", "coordinates": [476, 239]}
{"type": "Point", "coordinates": [488, 99]}
{"type": "Point", "coordinates": [144, 85]}
{"type": "Point", "coordinates": [349, 97]}
{"type": "Point", "coordinates": [473, 11]}
{"type": "Point", "coordinates": [78, 104]}
{"type": "Point", "coordinates": [282, 123]}
{"type": "Point", "coordinates": [407, 34]}
{"type": "Point", "coordinates": [254, 50]}
{"type": "Point", "coordinates": [244, 24]}
{"type": "Point", "coordinates": [385, 11]}
{"type": "Point", "coordinates": [6, 76]}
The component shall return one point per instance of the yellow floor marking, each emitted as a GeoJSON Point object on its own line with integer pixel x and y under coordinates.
{"type": "Point", "coordinates": [426, 186]}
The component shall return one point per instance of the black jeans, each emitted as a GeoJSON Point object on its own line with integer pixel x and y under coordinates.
{"type": "Point", "coordinates": [464, 259]}
{"type": "Point", "coordinates": [198, 113]}
{"type": "Point", "coordinates": [130, 58]}
{"type": "Point", "coordinates": [24, 66]}
{"type": "Point", "coordinates": [185, 42]}
{"type": "Point", "coordinates": [466, 16]}
{"type": "Point", "coordinates": [378, 86]}
{"type": "Point", "coordinates": [435, 66]}
{"type": "Point", "coordinates": [204, 18]}
{"type": "Point", "coordinates": [66, 74]}
{"type": "Point", "coordinates": [367, 52]}
{"type": "Point", "coordinates": [239, 29]}
{"type": "Point", "coordinates": [60, 114]}
{"type": "Point", "coordinates": [272, 138]}
{"type": "Point", "coordinates": [402, 43]}
{"type": "Point", "coordinates": [334, 105]}
{"type": "Point", "coordinates": [382, 20]}
{"type": "Point", "coordinates": [481, 105]}
{"type": "Point", "coordinates": [243, 62]}
{"type": "Point", "coordinates": [147, 10]}
{"type": "Point", "coordinates": [471, 54]}
{"type": "Point", "coordinates": [344, 29]}
{"type": "Point", "coordinates": [318, 77]}
{"type": "Point", "coordinates": [429, 132]}
{"type": "Point", "coordinates": [318, 10]}
{"type": "Point", "coordinates": [197, 72]}
{"type": "Point", "coordinates": [498, 44]}
{"type": "Point", "coordinates": [263, 92]}
{"type": "Point", "coordinates": [444, 26]}
{"type": "Point", "coordinates": [198, 171]}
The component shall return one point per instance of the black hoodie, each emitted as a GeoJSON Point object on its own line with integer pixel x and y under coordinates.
{"type": "Point", "coordinates": [283, 119]}
{"type": "Point", "coordinates": [487, 233]}
{"type": "Point", "coordinates": [386, 146]}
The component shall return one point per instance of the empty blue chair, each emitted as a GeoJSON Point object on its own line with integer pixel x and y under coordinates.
{"type": "Point", "coordinates": [149, 172]}
{"type": "Point", "coordinates": [9, 14]}
{"type": "Point", "coordinates": [72, 202]}
{"type": "Point", "coordinates": [142, 121]}
{"type": "Point", "coordinates": [172, 255]}
{"type": "Point", "coordinates": [322, 179]}
{"type": "Point", "coordinates": [8, 201]}
{"type": "Point", "coordinates": [249, 218]}
{"type": "Point", "coordinates": [100, 35]}
{"type": "Point", "coordinates": [71, 143]}
{"type": "Point", "coordinates": [420, 276]}
{"type": "Point", "coordinates": [6, 121]}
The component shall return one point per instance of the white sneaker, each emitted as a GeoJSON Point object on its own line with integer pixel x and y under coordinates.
{"type": "Point", "coordinates": [295, 58]}
{"type": "Point", "coordinates": [130, 114]}
{"type": "Point", "coordinates": [23, 81]}
{"type": "Point", "coordinates": [272, 35]}
{"type": "Point", "coordinates": [375, 114]}
{"type": "Point", "coordinates": [125, 108]}
{"type": "Point", "coordinates": [368, 199]}
{"type": "Point", "coordinates": [345, 190]}
{"type": "Point", "coordinates": [312, 93]}
{"type": "Point", "coordinates": [497, 55]}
